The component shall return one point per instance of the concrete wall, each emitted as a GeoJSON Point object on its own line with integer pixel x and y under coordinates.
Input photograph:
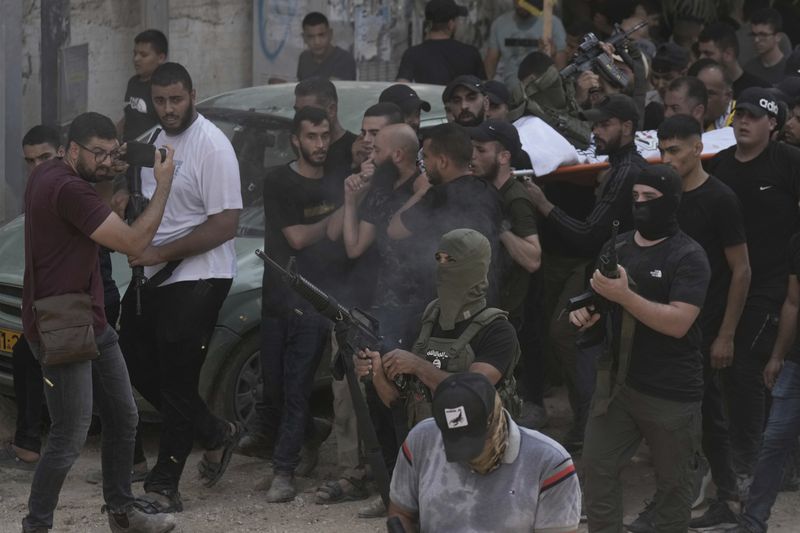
{"type": "Point", "coordinates": [212, 38]}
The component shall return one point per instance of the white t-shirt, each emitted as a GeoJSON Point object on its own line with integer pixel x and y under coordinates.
{"type": "Point", "coordinates": [206, 182]}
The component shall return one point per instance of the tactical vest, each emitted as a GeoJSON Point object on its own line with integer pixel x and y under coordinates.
{"type": "Point", "coordinates": [456, 355]}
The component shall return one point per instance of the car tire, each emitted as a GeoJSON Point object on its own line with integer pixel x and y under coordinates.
{"type": "Point", "coordinates": [240, 384]}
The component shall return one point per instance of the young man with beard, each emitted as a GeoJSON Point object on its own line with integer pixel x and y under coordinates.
{"type": "Point", "coordinates": [651, 382]}
{"type": "Point", "coordinates": [65, 220]}
{"type": "Point", "coordinates": [465, 101]}
{"type": "Point", "coordinates": [457, 199]}
{"type": "Point", "coordinates": [574, 242]}
{"type": "Point", "coordinates": [299, 200]}
{"type": "Point", "coordinates": [764, 175]}
{"type": "Point", "coordinates": [711, 215]}
{"type": "Point", "coordinates": [321, 93]}
{"type": "Point", "coordinates": [189, 267]}
{"type": "Point", "coordinates": [495, 144]}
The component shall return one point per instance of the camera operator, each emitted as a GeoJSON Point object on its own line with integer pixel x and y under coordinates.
{"type": "Point", "coordinates": [658, 383]}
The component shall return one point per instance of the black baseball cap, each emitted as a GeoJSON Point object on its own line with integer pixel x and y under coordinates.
{"type": "Point", "coordinates": [473, 83]}
{"type": "Point", "coordinates": [444, 10]}
{"type": "Point", "coordinates": [404, 97]}
{"type": "Point", "coordinates": [613, 106]}
{"type": "Point", "coordinates": [670, 57]}
{"type": "Point", "coordinates": [462, 406]}
{"type": "Point", "coordinates": [497, 92]}
{"type": "Point", "coordinates": [496, 130]}
{"type": "Point", "coordinates": [758, 101]}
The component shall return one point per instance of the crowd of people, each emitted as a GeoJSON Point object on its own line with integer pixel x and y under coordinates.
{"type": "Point", "coordinates": [683, 335]}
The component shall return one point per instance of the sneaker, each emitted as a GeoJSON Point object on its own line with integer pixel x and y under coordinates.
{"type": "Point", "coordinates": [309, 454]}
{"type": "Point", "coordinates": [135, 521]}
{"type": "Point", "coordinates": [282, 489]}
{"type": "Point", "coordinates": [374, 509]}
{"type": "Point", "coordinates": [533, 416]}
{"type": "Point", "coordinates": [256, 445]}
{"type": "Point", "coordinates": [701, 482]}
{"type": "Point", "coordinates": [644, 522]}
{"type": "Point", "coordinates": [718, 516]}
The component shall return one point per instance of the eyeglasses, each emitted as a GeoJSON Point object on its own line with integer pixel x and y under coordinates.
{"type": "Point", "coordinates": [99, 154]}
{"type": "Point", "coordinates": [760, 35]}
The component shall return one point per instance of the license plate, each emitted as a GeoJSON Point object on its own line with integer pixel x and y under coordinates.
{"type": "Point", "coordinates": [8, 339]}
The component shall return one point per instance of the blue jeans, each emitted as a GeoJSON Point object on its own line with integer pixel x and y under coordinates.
{"type": "Point", "coordinates": [291, 348]}
{"type": "Point", "coordinates": [780, 436]}
{"type": "Point", "coordinates": [69, 391]}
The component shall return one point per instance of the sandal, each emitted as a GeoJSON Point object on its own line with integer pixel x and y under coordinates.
{"type": "Point", "coordinates": [334, 492]}
{"type": "Point", "coordinates": [160, 501]}
{"type": "Point", "coordinates": [210, 472]}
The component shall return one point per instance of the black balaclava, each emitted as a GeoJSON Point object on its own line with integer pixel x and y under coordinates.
{"type": "Point", "coordinates": [656, 219]}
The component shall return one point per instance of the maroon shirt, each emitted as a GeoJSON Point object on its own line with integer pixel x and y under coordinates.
{"type": "Point", "coordinates": [61, 211]}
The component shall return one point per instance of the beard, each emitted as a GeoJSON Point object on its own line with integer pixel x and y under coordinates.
{"type": "Point", "coordinates": [608, 147]}
{"type": "Point", "coordinates": [468, 119]}
{"type": "Point", "coordinates": [315, 158]}
{"type": "Point", "coordinates": [86, 172]}
{"type": "Point", "coordinates": [386, 174]}
{"type": "Point", "coordinates": [491, 172]}
{"type": "Point", "coordinates": [433, 176]}
{"type": "Point", "coordinates": [183, 125]}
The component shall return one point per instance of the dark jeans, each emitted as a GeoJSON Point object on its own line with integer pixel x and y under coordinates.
{"type": "Point", "coordinates": [164, 348]}
{"type": "Point", "coordinates": [528, 323]}
{"type": "Point", "coordinates": [744, 386]}
{"type": "Point", "coordinates": [716, 439]}
{"type": "Point", "coordinates": [780, 437]}
{"type": "Point", "coordinates": [70, 391]}
{"type": "Point", "coordinates": [291, 349]}
{"type": "Point", "coordinates": [29, 395]}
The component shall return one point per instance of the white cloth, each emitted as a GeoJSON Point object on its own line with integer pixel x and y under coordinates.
{"type": "Point", "coordinates": [547, 148]}
{"type": "Point", "coordinates": [647, 145]}
{"type": "Point", "coordinates": [206, 182]}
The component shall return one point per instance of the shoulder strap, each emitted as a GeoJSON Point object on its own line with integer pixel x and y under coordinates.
{"type": "Point", "coordinates": [481, 320]}
{"type": "Point", "coordinates": [429, 318]}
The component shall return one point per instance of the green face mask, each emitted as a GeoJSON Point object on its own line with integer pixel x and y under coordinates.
{"type": "Point", "coordinates": [461, 282]}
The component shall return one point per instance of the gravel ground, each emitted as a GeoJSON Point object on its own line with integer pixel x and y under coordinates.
{"type": "Point", "coordinates": [237, 505]}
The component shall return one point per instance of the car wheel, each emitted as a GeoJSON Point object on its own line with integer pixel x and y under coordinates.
{"type": "Point", "coordinates": [240, 385]}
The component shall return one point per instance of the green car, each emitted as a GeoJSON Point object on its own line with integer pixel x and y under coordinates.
{"type": "Point", "coordinates": [258, 122]}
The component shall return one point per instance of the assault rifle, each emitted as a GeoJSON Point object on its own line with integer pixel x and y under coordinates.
{"type": "Point", "coordinates": [591, 53]}
{"type": "Point", "coordinates": [608, 267]}
{"type": "Point", "coordinates": [354, 330]}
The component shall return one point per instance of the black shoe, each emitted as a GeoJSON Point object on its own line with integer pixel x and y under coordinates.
{"type": "Point", "coordinates": [644, 522]}
{"type": "Point", "coordinates": [160, 501]}
{"type": "Point", "coordinates": [717, 516]}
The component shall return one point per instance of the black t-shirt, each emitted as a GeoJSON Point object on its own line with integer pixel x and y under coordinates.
{"type": "Point", "coordinates": [340, 156]}
{"type": "Point", "coordinates": [768, 188]}
{"type": "Point", "coordinates": [745, 81]}
{"type": "Point", "coordinates": [401, 279]}
{"type": "Point", "coordinates": [289, 200]}
{"type": "Point", "coordinates": [339, 65]}
{"type": "Point", "coordinates": [577, 201]}
{"type": "Point", "coordinates": [467, 202]}
{"type": "Point", "coordinates": [495, 344]}
{"type": "Point", "coordinates": [712, 216]}
{"type": "Point", "coordinates": [140, 115]}
{"type": "Point", "coordinates": [794, 267]}
{"type": "Point", "coordinates": [439, 61]}
{"type": "Point", "coordinates": [674, 270]}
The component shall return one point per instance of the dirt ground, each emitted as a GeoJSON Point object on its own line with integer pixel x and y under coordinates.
{"type": "Point", "coordinates": [237, 505]}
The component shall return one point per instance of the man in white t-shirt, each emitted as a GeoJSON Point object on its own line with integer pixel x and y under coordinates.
{"type": "Point", "coordinates": [164, 341]}
{"type": "Point", "coordinates": [472, 469]}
